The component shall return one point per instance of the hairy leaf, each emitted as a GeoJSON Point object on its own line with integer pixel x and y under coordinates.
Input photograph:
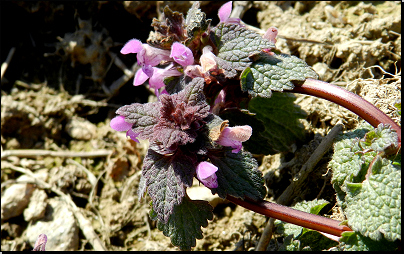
{"type": "Point", "coordinates": [299, 238]}
{"type": "Point", "coordinates": [184, 224]}
{"type": "Point", "coordinates": [375, 208]}
{"type": "Point", "coordinates": [167, 31]}
{"type": "Point", "coordinates": [143, 117]}
{"type": "Point", "coordinates": [181, 116]}
{"type": "Point", "coordinates": [381, 138]}
{"type": "Point", "coordinates": [235, 44]}
{"type": "Point", "coordinates": [166, 179]}
{"type": "Point", "coordinates": [280, 116]}
{"type": "Point", "coordinates": [368, 186]}
{"type": "Point", "coordinates": [238, 175]}
{"type": "Point", "coordinates": [196, 22]}
{"type": "Point", "coordinates": [272, 72]}
{"type": "Point", "coordinates": [353, 241]}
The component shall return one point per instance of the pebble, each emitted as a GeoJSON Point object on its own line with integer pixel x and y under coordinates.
{"type": "Point", "coordinates": [37, 206]}
{"type": "Point", "coordinates": [59, 225]}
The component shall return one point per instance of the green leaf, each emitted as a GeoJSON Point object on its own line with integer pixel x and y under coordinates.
{"type": "Point", "coordinates": [184, 224]}
{"type": "Point", "coordinates": [235, 44]}
{"type": "Point", "coordinates": [303, 238]}
{"type": "Point", "coordinates": [272, 72]}
{"type": "Point", "coordinates": [166, 178]}
{"type": "Point", "coordinates": [397, 104]}
{"type": "Point", "coordinates": [353, 241]}
{"type": "Point", "coordinates": [375, 209]}
{"type": "Point", "coordinates": [238, 175]}
{"type": "Point", "coordinates": [368, 186]}
{"type": "Point", "coordinates": [381, 138]}
{"type": "Point", "coordinates": [280, 117]}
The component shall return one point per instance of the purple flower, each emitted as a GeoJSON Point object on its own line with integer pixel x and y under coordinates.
{"type": "Point", "coordinates": [224, 14]}
{"type": "Point", "coordinates": [181, 54]}
{"type": "Point", "coordinates": [233, 136]}
{"type": "Point", "coordinates": [40, 243]}
{"type": "Point", "coordinates": [271, 34]}
{"type": "Point", "coordinates": [146, 55]}
{"type": "Point", "coordinates": [118, 123]}
{"type": "Point", "coordinates": [157, 76]}
{"type": "Point", "coordinates": [205, 172]}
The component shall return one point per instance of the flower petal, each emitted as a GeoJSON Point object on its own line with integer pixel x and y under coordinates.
{"type": "Point", "coordinates": [224, 11]}
{"type": "Point", "coordinates": [181, 54]}
{"type": "Point", "coordinates": [208, 59]}
{"type": "Point", "coordinates": [132, 135]}
{"type": "Point", "coordinates": [157, 80]}
{"type": "Point", "coordinates": [140, 78]}
{"type": "Point", "coordinates": [205, 172]}
{"type": "Point", "coordinates": [271, 34]}
{"type": "Point", "coordinates": [132, 46]}
{"type": "Point", "coordinates": [238, 133]}
{"type": "Point", "coordinates": [118, 123]}
{"type": "Point", "coordinates": [152, 56]}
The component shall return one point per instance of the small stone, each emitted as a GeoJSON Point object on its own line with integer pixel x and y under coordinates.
{"type": "Point", "coordinates": [37, 206]}
{"type": "Point", "coordinates": [59, 225]}
{"type": "Point", "coordinates": [81, 129]}
{"type": "Point", "coordinates": [15, 199]}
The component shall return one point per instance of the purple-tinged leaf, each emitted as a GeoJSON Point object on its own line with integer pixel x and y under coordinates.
{"type": "Point", "coordinates": [166, 179]}
{"type": "Point", "coordinates": [235, 44]}
{"type": "Point", "coordinates": [181, 115]}
{"type": "Point", "coordinates": [184, 225]}
{"type": "Point", "coordinates": [144, 116]}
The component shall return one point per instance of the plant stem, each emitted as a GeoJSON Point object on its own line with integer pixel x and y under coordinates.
{"type": "Point", "coordinates": [294, 216]}
{"type": "Point", "coordinates": [348, 100]}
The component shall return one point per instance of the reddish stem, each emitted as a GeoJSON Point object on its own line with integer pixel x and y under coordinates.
{"type": "Point", "coordinates": [290, 215]}
{"type": "Point", "coordinates": [348, 100]}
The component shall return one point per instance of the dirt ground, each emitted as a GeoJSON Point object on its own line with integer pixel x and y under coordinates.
{"type": "Point", "coordinates": [66, 78]}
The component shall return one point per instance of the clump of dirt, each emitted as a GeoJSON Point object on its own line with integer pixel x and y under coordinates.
{"type": "Point", "coordinates": [56, 96]}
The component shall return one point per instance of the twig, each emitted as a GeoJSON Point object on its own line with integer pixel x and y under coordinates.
{"type": "Point", "coordinates": [295, 186]}
{"type": "Point", "coordinates": [239, 8]}
{"type": "Point", "coordinates": [84, 223]}
{"type": "Point", "coordinates": [266, 236]}
{"type": "Point", "coordinates": [307, 168]}
{"type": "Point", "coordinates": [35, 153]}
{"type": "Point", "coordinates": [5, 65]}
{"type": "Point", "coordinates": [128, 74]}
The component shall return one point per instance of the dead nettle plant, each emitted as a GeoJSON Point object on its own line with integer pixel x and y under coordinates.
{"type": "Point", "coordinates": [220, 101]}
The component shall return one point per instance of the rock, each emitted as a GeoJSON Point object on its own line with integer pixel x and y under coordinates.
{"type": "Point", "coordinates": [37, 206]}
{"type": "Point", "coordinates": [59, 225]}
{"type": "Point", "coordinates": [81, 129]}
{"type": "Point", "coordinates": [203, 193]}
{"type": "Point", "coordinates": [15, 199]}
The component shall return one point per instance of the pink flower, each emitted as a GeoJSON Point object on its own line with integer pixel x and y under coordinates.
{"type": "Point", "coordinates": [118, 123]}
{"type": "Point", "coordinates": [146, 55]}
{"type": "Point", "coordinates": [224, 14]}
{"type": "Point", "coordinates": [208, 63]}
{"type": "Point", "coordinates": [181, 54]}
{"type": "Point", "coordinates": [205, 172]}
{"type": "Point", "coordinates": [271, 34]}
{"type": "Point", "coordinates": [157, 76]}
{"type": "Point", "coordinates": [234, 136]}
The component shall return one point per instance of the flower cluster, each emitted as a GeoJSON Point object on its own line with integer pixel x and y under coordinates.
{"type": "Point", "coordinates": [177, 122]}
